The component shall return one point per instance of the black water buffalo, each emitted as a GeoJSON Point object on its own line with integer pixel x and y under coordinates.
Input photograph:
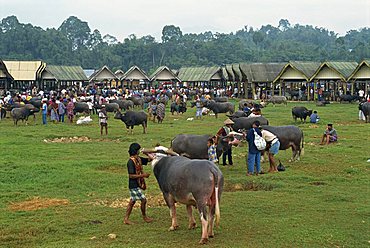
{"type": "Point", "coordinates": [277, 100]}
{"type": "Point", "coordinates": [245, 123]}
{"type": "Point", "coordinates": [23, 113]}
{"type": "Point", "coordinates": [195, 146]}
{"type": "Point", "coordinates": [110, 107]}
{"type": "Point", "coordinates": [181, 108]}
{"type": "Point", "coordinates": [289, 136]}
{"type": "Point", "coordinates": [81, 107]}
{"type": "Point", "coordinates": [244, 101]}
{"type": "Point", "coordinates": [238, 114]}
{"type": "Point", "coordinates": [35, 101]}
{"type": "Point", "coordinates": [220, 107]}
{"type": "Point", "coordinates": [366, 110]}
{"type": "Point", "coordinates": [138, 101]}
{"type": "Point", "coordinates": [348, 98]}
{"type": "Point", "coordinates": [301, 113]}
{"type": "Point", "coordinates": [221, 99]}
{"type": "Point", "coordinates": [132, 118]}
{"type": "Point", "coordinates": [123, 104]}
{"type": "Point", "coordinates": [192, 182]}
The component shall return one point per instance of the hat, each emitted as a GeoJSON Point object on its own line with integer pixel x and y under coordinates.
{"type": "Point", "coordinates": [228, 122]}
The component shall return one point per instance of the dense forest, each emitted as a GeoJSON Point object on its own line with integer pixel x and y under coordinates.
{"type": "Point", "coordinates": [73, 43]}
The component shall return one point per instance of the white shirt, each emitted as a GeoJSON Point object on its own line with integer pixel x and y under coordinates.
{"type": "Point", "coordinates": [268, 136]}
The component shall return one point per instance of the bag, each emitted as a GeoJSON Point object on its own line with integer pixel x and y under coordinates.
{"type": "Point", "coordinates": [259, 141]}
{"type": "Point", "coordinates": [280, 167]}
{"type": "Point", "coordinates": [139, 171]}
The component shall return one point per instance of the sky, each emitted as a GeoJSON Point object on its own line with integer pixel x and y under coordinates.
{"type": "Point", "coordinates": [121, 18]}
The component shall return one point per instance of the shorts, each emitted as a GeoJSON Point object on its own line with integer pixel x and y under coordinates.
{"type": "Point", "coordinates": [103, 124]}
{"type": "Point", "coordinates": [137, 194]}
{"type": "Point", "coordinates": [274, 149]}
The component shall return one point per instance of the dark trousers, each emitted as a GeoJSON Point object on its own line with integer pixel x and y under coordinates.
{"type": "Point", "coordinates": [227, 153]}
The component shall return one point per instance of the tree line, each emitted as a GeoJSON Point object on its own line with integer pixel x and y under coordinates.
{"type": "Point", "coordinates": [73, 43]}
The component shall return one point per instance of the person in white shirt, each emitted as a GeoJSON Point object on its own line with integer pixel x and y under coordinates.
{"type": "Point", "coordinates": [273, 145]}
{"type": "Point", "coordinates": [103, 117]}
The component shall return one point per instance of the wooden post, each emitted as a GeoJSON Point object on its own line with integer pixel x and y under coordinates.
{"type": "Point", "coordinates": [281, 86]}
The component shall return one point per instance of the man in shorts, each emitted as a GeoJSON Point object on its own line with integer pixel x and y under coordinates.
{"type": "Point", "coordinates": [273, 145]}
{"type": "Point", "coordinates": [136, 182]}
{"type": "Point", "coordinates": [103, 117]}
{"type": "Point", "coordinates": [329, 136]}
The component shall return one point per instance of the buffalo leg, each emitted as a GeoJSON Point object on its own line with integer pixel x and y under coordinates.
{"type": "Point", "coordinates": [171, 204]}
{"type": "Point", "coordinates": [192, 223]}
{"type": "Point", "coordinates": [202, 207]}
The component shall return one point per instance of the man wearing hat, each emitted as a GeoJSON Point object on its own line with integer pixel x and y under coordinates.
{"type": "Point", "coordinates": [223, 132]}
{"type": "Point", "coordinates": [103, 117]}
{"type": "Point", "coordinates": [330, 135]}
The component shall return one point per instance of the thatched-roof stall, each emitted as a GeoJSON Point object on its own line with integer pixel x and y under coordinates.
{"type": "Point", "coordinates": [333, 75]}
{"type": "Point", "coordinates": [202, 76]}
{"type": "Point", "coordinates": [56, 77]}
{"type": "Point", "coordinates": [134, 77]}
{"type": "Point", "coordinates": [5, 78]}
{"type": "Point", "coordinates": [164, 76]}
{"type": "Point", "coordinates": [260, 75]}
{"type": "Point", "coordinates": [26, 74]}
{"type": "Point", "coordinates": [296, 75]}
{"type": "Point", "coordinates": [361, 76]}
{"type": "Point", "coordinates": [104, 77]}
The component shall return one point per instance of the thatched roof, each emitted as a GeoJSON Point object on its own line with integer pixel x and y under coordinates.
{"type": "Point", "coordinates": [5, 70]}
{"type": "Point", "coordinates": [306, 68]}
{"type": "Point", "coordinates": [162, 69]}
{"type": "Point", "coordinates": [66, 73]}
{"type": "Point", "coordinates": [261, 72]}
{"type": "Point", "coordinates": [119, 73]}
{"type": "Point", "coordinates": [365, 62]}
{"type": "Point", "coordinates": [199, 74]}
{"type": "Point", "coordinates": [230, 73]}
{"type": "Point", "coordinates": [344, 69]}
{"type": "Point", "coordinates": [135, 73]}
{"type": "Point", "coordinates": [99, 74]}
{"type": "Point", "coordinates": [25, 70]}
{"type": "Point", "coordinates": [238, 76]}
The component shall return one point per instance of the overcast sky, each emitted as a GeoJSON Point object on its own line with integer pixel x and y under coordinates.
{"type": "Point", "coordinates": [121, 18]}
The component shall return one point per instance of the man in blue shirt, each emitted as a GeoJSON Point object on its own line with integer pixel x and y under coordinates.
{"type": "Point", "coordinates": [44, 111]}
{"type": "Point", "coordinates": [254, 155]}
{"type": "Point", "coordinates": [314, 118]}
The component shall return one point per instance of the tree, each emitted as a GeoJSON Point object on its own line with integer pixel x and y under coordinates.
{"type": "Point", "coordinates": [77, 31]}
{"type": "Point", "coordinates": [171, 33]}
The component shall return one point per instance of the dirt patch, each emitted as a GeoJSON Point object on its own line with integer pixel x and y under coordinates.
{"type": "Point", "coordinates": [37, 203]}
{"type": "Point", "coordinates": [248, 186]}
{"type": "Point", "coordinates": [152, 201]}
{"type": "Point", "coordinates": [313, 126]}
{"type": "Point", "coordinates": [318, 183]}
{"type": "Point", "coordinates": [68, 139]}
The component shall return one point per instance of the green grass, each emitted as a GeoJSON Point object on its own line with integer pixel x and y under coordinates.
{"type": "Point", "coordinates": [320, 201]}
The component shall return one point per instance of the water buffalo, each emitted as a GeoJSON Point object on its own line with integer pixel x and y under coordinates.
{"type": "Point", "coordinates": [221, 99]}
{"type": "Point", "coordinates": [123, 104]}
{"type": "Point", "coordinates": [195, 146]}
{"type": "Point", "coordinates": [220, 107]}
{"type": "Point", "coordinates": [277, 100]}
{"type": "Point", "coordinates": [192, 182]}
{"type": "Point", "coordinates": [366, 110]}
{"type": "Point", "coordinates": [243, 101]}
{"type": "Point", "coordinates": [132, 118]}
{"type": "Point", "coordinates": [110, 107]}
{"type": "Point", "coordinates": [238, 114]}
{"type": "Point", "coordinates": [301, 113]}
{"type": "Point", "coordinates": [289, 136]}
{"type": "Point", "coordinates": [35, 101]}
{"type": "Point", "coordinates": [348, 98]}
{"type": "Point", "coordinates": [246, 122]}
{"type": "Point", "coordinates": [137, 101]}
{"type": "Point", "coordinates": [23, 113]}
{"type": "Point", "coordinates": [181, 108]}
{"type": "Point", "coordinates": [81, 107]}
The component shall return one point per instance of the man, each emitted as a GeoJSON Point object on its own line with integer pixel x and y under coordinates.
{"type": "Point", "coordinates": [223, 132]}
{"type": "Point", "coordinates": [273, 145]}
{"type": "Point", "coordinates": [103, 117]}
{"type": "Point", "coordinates": [314, 118]}
{"type": "Point", "coordinates": [44, 111]}
{"type": "Point", "coordinates": [136, 182]}
{"type": "Point", "coordinates": [330, 135]}
{"type": "Point", "coordinates": [254, 155]}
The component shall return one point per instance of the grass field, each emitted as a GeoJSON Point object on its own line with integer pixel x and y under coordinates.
{"type": "Point", "coordinates": [59, 194]}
